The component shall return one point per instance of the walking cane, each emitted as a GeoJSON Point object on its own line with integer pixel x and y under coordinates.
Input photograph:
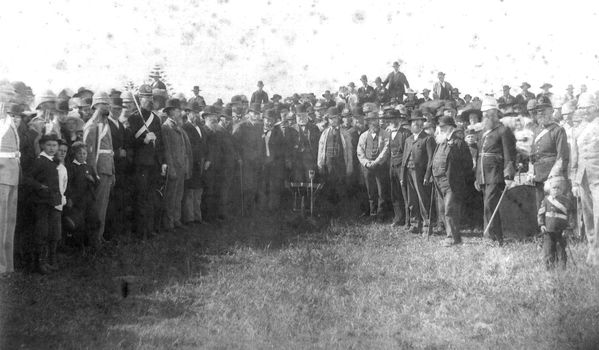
{"type": "Point", "coordinates": [241, 183]}
{"type": "Point", "coordinates": [495, 211]}
{"type": "Point", "coordinates": [311, 174]}
{"type": "Point", "coordinates": [430, 224]}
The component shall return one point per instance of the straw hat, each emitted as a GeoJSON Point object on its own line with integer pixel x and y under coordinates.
{"type": "Point", "coordinates": [489, 103]}
{"type": "Point", "coordinates": [46, 96]}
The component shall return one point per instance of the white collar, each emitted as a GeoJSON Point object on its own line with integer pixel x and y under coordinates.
{"type": "Point", "coordinates": [44, 154]}
{"type": "Point", "coordinates": [76, 162]}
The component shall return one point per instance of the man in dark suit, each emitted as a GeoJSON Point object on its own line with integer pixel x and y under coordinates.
{"type": "Point", "coordinates": [525, 96]}
{"type": "Point", "coordinates": [450, 166]}
{"type": "Point", "coordinates": [550, 152]}
{"type": "Point", "coordinates": [415, 170]}
{"type": "Point", "coordinates": [194, 187]}
{"type": "Point", "coordinates": [397, 83]}
{"type": "Point", "coordinates": [259, 96]}
{"type": "Point", "coordinates": [116, 222]}
{"type": "Point", "coordinates": [304, 146]}
{"type": "Point", "coordinates": [149, 163]}
{"type": "Point", "coordinates": [507, 99]}
{"type": "Point", "coordinates": [495, 166]}
{"type": "Point", "coordinates": [394, 151]}
{"type": "Point", "coordinates": [272, 153]}
{"type": "Point", "coordinates": [366, 92]}
{"type": "Point", "coordinates": [247, 138]}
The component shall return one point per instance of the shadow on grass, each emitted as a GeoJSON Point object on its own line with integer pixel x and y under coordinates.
{"type": "Point", "coordinates": [77, 306]}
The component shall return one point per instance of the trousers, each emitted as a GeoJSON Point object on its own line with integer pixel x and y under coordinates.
{"type": "Point", "coordinates": [419, 197]}
{"type": "Point", "coordinates": [589, 196]}
{"type": "Point", "coordinates": [491, 195]}
{"type": "Point", "coordinates": [399, 196]}
{"type": "Point", "coordinates": [173, 197]}
{"type": "Point", "coordinates": [8, 220]}
{"type": "Point", "coordinates": [192, 205]}
{"type": "Point", "coordinates": [450, 209]}
{"type": "Point", "coordinates": [102, 197]}
{"type": "Point", "coordinates": [376, 187]}
{"type": "Point", "coordinates": [554, 249]}
{"type": "Point", "coordinates": [147, 182]}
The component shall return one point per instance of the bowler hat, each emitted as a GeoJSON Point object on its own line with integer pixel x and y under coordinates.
{"type": "Point", "coordinates": [395, 64]}
{"type": "Point", "coordinates": [364, 77]}
{"type": "Point", "coordinates": [116, 102]}
{"type": "Point", "coordinates": [392, 114]}
{"type": "Point", "coordinates": [172, 103]}
{"type": "Point", "coordinates": [196, 88]}
{"type": "Point", "coordinates": [260, 83]}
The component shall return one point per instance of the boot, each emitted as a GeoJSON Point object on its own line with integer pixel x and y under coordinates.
{"type": "Point", "coordinates": [39, 266]}
{"type": "Point", "coordinates": [52, 258]}
{"type": "Point", "coordinates": [372, 209]}
{"type": "Point", "coordinates": [397, 220]}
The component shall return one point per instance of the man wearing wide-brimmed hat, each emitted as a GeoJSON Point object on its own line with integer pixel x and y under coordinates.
{"type": "Point", "coordinates": [98, 140]}
{"type": "Point", "coordinates": [415, 172]}
{"type": "Point", "coordinates": [46, 113]}
{"type": "Point", "coordinates": [455, 97]}
{"type": "Point", "coordinates": [545, 87]}
{"type": "Point", "coordinates": [157, 83]}
{"type": "Point", "coordinates": [523, 97]}
{"type": "Point", "coordinates": [9, 178]}
{"type": "Point", "coordinates": [506, 99]}
{"type": "Point", "coordinates": [374, 169]}
{"type": "Point", "coordinates": [178, 157]}
{"type": "Point", "coordinates": [585, 166]}
{"type": "Point", "coordinates": [396, 82]}
{"type": "Point", "coordinates": [550, 153]}
{"type": "Point", "coordinates": [197, 97]}
{"type": "Point", "coordinates": [441, 88]}
{"type": "Point", "coordinates": [451, 164]}
{"type": "Point", "coordinates": [411, 102]}
{"type": "Point", "coordinates": [495, 166]}
{"type": "Point", "coordinates": [569, 95]}
{"type": "Point", "coordinates": [425, 96]}
{"type": "Point", "coordinates": [148, 153]}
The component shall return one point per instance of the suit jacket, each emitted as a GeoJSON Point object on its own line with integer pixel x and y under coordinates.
{"type": "Point", "coordinates": [400, 138]}
{"type": "Point", "coordinates": [200, 152]}
{"type": "Point", "coordinates": [313, 138]}
{"type": "Point", "coordinates": [496, 155]}
{"type": "Point", "coordinates": [177, 151]}
{"type": "Point", "coordinates": [397, 83]}
{"type": "Point", "coordinates": [348, 153]}
{"type": "Point", "coordinates": [420, 149]}
{"type": "Point", "coordinates": [458, 162]}
{"type": "Point", "coordinates": [82, 183]}
{"type": "Point", "coordinates": [247, 138]}
{"type": "Point", "coordinates": [44, 172]}
{"type": "Point", "coordinates": [361, 148]}
{"type": "Point", "coordinates": [437, 89]}
{"type": "Point", "coordinates": [366, 94]}
{"type": "Point", "coordinates": [585, 158]}
{"type": "Point", "coordinates": [276, 147]}
{"type": "Point", "coordinates": [150, 154]}
{"type": "Point", "coordinates": [259, 97]}
{"type": "Point", "coordinates": [550, 145]}
{"type": "Point", "coordinates": [506, 101]}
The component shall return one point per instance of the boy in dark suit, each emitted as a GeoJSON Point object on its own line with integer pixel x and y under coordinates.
{"type": "Point", "coordinates": [45, 195]}
{"type": "Point", "coordinates": [81, 210]}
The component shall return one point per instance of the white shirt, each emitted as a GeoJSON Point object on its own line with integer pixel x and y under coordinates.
{"type": "Point", "coordinates": [199, 130]}
{"type": "Point", "coordinates": [63, 180]}
{"type": "Point", "coordinates": [44, 154]}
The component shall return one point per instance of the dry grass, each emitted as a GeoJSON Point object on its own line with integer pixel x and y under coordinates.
{"type": "Point", "coordinates": [269, 285]}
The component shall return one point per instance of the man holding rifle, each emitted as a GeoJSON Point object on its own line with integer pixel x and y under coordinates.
{"type": "Point", "coordinates": [148, 160]}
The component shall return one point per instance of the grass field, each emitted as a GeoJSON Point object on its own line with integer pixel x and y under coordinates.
{"type": "Point", "coordinates": [272, 285]}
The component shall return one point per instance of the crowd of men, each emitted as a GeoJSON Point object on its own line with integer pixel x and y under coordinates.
{"type": "Point", "coordinates": [87, 167]}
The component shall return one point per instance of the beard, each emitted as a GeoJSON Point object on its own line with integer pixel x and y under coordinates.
{"type": "Point", "coordinates": [441, 136]}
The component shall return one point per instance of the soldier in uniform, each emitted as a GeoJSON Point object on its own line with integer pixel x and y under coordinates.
{"type": "Point", "coordinates": [550, 151]}
{"type": "Point", "coordinates": [9, 179]}
{"type": "Point", "coordinates": [370, 145]}
{"type": "Point", "coordinates": [585, 164]}
{"type": "Point", "coordinates": [335, 158]}
{"type": "Point", "coordinates": [495, 166]}
{"type": "Point", "coordinates": [149, 163]}
{"type": "Point", "coordinates": [450, 166]}
{"type": "Point", "coordinates": [393, 151]}
{"type": "Point", "coordinates": [247, 137]}
{"type": "Point", "coordinates": [418, 153]}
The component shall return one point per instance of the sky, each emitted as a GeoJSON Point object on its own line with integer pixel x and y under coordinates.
{"type": "Point", "coordinates": [226, 46]}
